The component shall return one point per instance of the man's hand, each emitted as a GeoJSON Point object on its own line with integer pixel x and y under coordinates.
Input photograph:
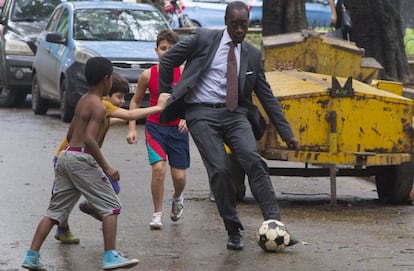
{"type": "Point", "coordinates": [292, 143]}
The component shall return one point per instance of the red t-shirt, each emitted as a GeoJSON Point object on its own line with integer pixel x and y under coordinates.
{"type": "Point", "coordinates": [154, 94]}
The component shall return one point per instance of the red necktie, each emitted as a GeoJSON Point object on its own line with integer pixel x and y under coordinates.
{"type": "Point", "coordinates": [232, 80]}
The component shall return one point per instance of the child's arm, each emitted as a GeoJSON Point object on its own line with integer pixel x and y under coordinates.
{"type": "Point", "coordinates": [136, 102]}
{"type": "Point", "coordinates": [138, 113]}
{"type": "Point", "coordinates": [94, 118]}
{"type": "Point", "coordinates": [117, 121]}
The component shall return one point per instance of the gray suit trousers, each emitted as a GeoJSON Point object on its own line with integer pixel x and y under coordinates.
{"type": "Point", "coordinates": [210, 129]}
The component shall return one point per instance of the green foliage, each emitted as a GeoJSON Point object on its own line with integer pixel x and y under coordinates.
{"type": "Point", "coordinates": [409, 41]}
{"type": "Point", "coordinates": [254, 38]}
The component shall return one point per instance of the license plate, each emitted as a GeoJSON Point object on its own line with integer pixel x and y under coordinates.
{"type": "Point", "coordinates": [132, 87]}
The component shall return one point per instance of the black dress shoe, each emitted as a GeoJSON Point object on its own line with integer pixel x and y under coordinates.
{"type": "Point", "coordinates": [293, 241]}
{"type": "Point", "coordinates": [235, 242]}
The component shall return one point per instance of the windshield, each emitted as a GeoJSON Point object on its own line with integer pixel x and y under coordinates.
{"type": "Point", "coordinates": [33, 10]}
{"type": "Point", "coordinates": [119, 25]}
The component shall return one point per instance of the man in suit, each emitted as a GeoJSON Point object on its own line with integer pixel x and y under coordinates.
{"type": "Point", "coordinates": [200, 98]}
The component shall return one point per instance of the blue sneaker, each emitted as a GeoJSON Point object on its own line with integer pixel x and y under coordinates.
{"type": "Point", "coordinates": [112, 260]}
{"type": "Point", "coordinates": [32, 261]}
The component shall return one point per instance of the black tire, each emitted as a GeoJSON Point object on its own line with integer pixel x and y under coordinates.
{"type": "Point", "coordinates": [39, 105]}
{"type": "Point", "coordinates": [66, 110]}
{"type": "Point", "coordinates": [237, 178]}
{"type": "Point", "coordinates": [394, 183]}
{"type": "Point", "coordinates": [12, 97]}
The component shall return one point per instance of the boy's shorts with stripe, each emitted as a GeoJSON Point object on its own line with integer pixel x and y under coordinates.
{"type": "Point", "coordinates": [76, 174]}
{"type": "Point", "coordinates": [115, 184]}
{"type": "Point", "coordinates": [163, 141]}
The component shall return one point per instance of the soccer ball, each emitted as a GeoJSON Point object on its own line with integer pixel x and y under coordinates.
{"type": "Point", "coordinates": [272, 236]}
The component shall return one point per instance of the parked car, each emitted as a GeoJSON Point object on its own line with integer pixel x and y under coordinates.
{"type": "Point", "coordinates": [318, 13]}
{"type": "Point", "coordinates": [210, 13]}
{"type": "Point", "coordinates": [20, 21]}
{"type": "Point", "coordinates": [123, 32]}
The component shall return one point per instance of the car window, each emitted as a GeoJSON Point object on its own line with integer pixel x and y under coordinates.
{"type": "Point", "coordinates": [33, 10]}
{"type": "Point", "coordinates": [63, 24]}
{"type": "Point", "coordinates": [115, 24]}
{"type": "Point", "coordinates": [54, 20]}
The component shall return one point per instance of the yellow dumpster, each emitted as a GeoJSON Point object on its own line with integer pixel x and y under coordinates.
{"type": "Point", "coordinates": [341, 121]}
{"type": "Point", "coordinates": [314, 52]}
{"type": "Point", "coordinates": [334, 126]}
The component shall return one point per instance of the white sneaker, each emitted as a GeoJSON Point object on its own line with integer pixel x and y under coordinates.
{"type": "Point", "coordinates": [156, 222]}
{"type": "Point", "coordinates": [177, 209]}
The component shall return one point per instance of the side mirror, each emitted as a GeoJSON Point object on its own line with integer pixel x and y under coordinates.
{"type": "Point", "coordinates": [55, 37]}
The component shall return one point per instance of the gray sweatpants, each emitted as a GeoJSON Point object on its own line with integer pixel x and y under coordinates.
{"type": "Point", "coordinates": [77, 174]}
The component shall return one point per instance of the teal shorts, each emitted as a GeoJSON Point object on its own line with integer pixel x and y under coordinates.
{"type": "Point", "coordinates": [167, 142]}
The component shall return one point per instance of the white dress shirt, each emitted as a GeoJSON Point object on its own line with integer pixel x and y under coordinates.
{"type": "Point", "coordinates": [211, 87]}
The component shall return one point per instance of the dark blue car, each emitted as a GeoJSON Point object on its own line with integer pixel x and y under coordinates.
{"type": "Point", "coordinates": [123, 32]}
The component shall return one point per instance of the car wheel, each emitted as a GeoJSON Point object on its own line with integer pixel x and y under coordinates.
{"type": "Point", "coordinates": [12, 98]}
{"type": "Point", "coordinates": [66, 110]}
{"type": "Point", "coordinates": [394, 183]}
{"type": "Point", "coordinates": [39, 105]}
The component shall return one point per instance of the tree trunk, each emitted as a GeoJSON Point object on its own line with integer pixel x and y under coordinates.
{"type": "Point", "coordinates": [377, 27]}
{"type": "Point", "coordinates": [406, 8]}
{"type": "Point", "coordinates": [283, 16]}
{"type": "Point", "coordinates": [381, 34]}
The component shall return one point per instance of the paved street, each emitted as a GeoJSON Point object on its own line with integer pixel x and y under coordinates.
{"type": "Point", "coordinates": [357, 234]}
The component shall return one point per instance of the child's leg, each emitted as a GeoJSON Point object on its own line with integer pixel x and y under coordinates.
{"type": "Point", "coordinates": [112, 259]}
{"type": "Point", "coordinates": [42, 231]}
{"type": "Point", "coordinates": [32, 259]}
{"type": "Point", "coordinates": [179, 180]}
{"type": "Point", "coordinates": [179, 160]}
{"type": "Point", "coordinates": [157, 184]}
{"type": "Point", "coordinates": [64, 224]}
{"type": "Point", "coordinates": [109, 227]}
{"type": "Point", "coordinates": [178, 176]}
{"type": "Point", "coordinates": [64, 235]}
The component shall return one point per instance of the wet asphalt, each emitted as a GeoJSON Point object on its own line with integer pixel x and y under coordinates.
{"type": "Point", "coordinates": [358, 233]}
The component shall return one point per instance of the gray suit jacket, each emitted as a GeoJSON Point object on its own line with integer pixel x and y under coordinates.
{"type": "Point", "coordinates": [197, 51]}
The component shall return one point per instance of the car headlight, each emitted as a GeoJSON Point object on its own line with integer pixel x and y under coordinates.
{"type": "Point", "coordinates": [82, 54]}
{"type": "Point", "coordinates": [17, 47]}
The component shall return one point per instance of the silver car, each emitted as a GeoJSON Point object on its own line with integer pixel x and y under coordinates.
{"type": "Point", "coordinates": [123, 32]}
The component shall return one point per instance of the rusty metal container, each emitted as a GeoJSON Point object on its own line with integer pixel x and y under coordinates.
{"type": "Point", "coordinates": [338, 122]}
{"type": "Point", "coordinates": [315, 52]}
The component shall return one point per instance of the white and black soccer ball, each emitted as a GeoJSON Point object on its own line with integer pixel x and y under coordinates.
{"type": "Point", "coordinates": [272, 236]}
